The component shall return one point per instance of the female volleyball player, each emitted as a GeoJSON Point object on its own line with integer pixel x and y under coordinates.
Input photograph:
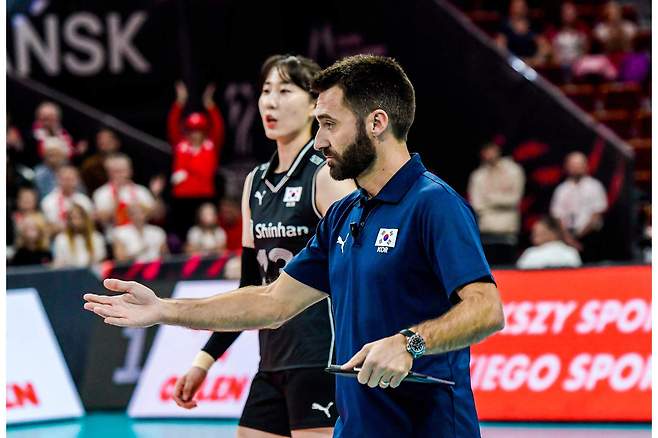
{"type": "Point", "coordinates": [282, 202]}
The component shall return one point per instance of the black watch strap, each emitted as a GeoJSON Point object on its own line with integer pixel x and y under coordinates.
{"type": "Point", "coordinates": [406, 332]}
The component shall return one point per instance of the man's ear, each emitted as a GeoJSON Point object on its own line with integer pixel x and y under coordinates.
{"type": "Point", "coordinates": [377, 122]}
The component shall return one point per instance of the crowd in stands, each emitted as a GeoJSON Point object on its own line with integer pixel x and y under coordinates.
{"type": "Point", "coordinates": [68, 215]}
{"type": "Point", "coordinates": [569, 233]}
{"type": "Point", "coordinates": [71, 205]}
{"type": "Point", "coordinates": [598, 53]}
{"type": "Point", "coordinates": [75, 204]}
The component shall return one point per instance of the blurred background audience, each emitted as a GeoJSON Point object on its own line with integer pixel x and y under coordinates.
{"type": "Point", "coordinates": [86, 206]}
{"type": "Point", "coordinates": [548, 248]}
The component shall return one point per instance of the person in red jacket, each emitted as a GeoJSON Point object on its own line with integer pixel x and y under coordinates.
{"type": "Point", "coordinates": [196, 147]}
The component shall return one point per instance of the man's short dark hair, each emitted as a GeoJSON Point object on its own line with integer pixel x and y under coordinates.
{"type": "Point", "coordinates": [373, 82]}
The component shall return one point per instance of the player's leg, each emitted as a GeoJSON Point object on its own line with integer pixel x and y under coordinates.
{"type": "Point", "coordinates": [310, 398]}
{"type": "Point", "coordinates": [320, 432]}
{"type": "Point", "coordinates": [265, 414]}
{"type": "Point", "coordinates": [247, 432]}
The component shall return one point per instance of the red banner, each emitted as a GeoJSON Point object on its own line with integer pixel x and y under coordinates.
{"type": "Point", "coordinates": [576, 347]}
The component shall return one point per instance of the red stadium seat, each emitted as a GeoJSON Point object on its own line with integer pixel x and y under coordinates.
{"type": "Point", "coordinates": [643, 180]}
{"type": "Point", "coordinates": [642, 41]}
{"type": "Point", "coordinates": [551, 72]}
{"type": "Point", "coordinates": [583, 95]}
{"type": "Point", "coordinates": [643, 124]}
{"type": "Point", "coordinates": [589, 13]}
{"type": "Point", "coordinates": [629, 12]}
{"type": "Point", "coordinates": [620, 96]}
{"type": "Point", "coordinates": [642, 149]}
{"type": "Point", "coordinates": [488, 21]}
{"type": "Point", "coordinates": [618, 121]}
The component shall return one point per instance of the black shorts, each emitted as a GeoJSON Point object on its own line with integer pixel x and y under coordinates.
{"type": "Point", "coordinates": [281, 401]}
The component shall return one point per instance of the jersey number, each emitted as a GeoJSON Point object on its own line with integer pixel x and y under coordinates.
{"type": "Point", "coordinates": [274, 256]}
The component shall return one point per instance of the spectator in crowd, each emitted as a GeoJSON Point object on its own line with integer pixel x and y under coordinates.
{"type": "Point", "coordinates": [32, 241]}
{"type": "Point", "coordinates": [14, 138]}
{"type": "Point", "coordinates": [54, 157]}
{"type": "Point", "coordinates": [48, 124]}
{"type": "Point", "coordinates": [19, 177]}
{"type": "Point", "coordinates": [517, 35]}
{"type": "Point", "coordinates": [495, 190]}
{"type": "Point", "coordinates": [79, 244]}
{"type": "Point", "coordinates": [230, 219]}
{"type": "Point", "coordinates": [570, 41]}
{"type": "Point", "coordinates": [112, 199]}
{"type": "Point", "coordinates": [93, 170]}
{"type": "Point", "coordinates": [548, 250]}
{"type": "Point", "coordinates": [27, 203]}
{"type": "Point", "coordinates": [138, 240]}
{"type": "Point", "coordinates": [579, 203]}
{"type": "Point", "coordinates": [207, 237]}
{"type": "Point", "coordinates": [56, 205]}
{"type": "Point", "coordinates": [595, 66]}
{"type": "Point", "coordinates": [196, 156]}
{"type": "Point", "coordinates": [614, 32]}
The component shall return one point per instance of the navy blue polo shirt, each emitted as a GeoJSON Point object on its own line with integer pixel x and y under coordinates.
{"type": "Point", "coordinates": [388, 263]}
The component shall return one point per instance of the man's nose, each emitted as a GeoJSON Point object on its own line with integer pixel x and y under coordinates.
{"type": "Point", "coordinates": [320, 141]}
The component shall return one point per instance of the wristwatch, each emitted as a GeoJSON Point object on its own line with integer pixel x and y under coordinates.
{"type": "Point", "coordinates": [415, 343]}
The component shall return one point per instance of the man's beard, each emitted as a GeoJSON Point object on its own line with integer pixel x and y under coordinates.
{"type": "Point", "coordinates": [358, 156]}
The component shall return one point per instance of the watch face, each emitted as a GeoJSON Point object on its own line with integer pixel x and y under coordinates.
{"type": "Point", "coordinates": [416, 346]}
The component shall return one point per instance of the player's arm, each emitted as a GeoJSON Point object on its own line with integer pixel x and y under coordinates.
{"type": "Point", "coordinates": [328, 190]}
{"type": "Point", "coordinates": [219, 342]}
{"type": "Point", "coordinates": [187, 386]}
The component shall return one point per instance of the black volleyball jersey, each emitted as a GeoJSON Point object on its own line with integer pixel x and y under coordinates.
{"type": "Point", "coordinates": [283, 219]}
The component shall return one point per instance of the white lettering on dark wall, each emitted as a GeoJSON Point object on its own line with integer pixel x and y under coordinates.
{"type": "Point", "coordinates": [74, 30]}
{"type": "Point", "coordinates": [324, 43]}
{"type": "Point", "coordinates": [81, 49]}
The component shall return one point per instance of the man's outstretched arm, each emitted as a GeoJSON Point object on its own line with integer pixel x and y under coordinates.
{"type": "Point", "coordinates": [253, 307]}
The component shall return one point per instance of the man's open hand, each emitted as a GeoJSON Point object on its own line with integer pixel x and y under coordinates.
{"type": "Point", "coordinates": [138, 306]}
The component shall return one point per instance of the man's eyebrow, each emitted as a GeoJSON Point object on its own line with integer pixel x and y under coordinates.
{"type": "Point", "coordinates": [321, 116]}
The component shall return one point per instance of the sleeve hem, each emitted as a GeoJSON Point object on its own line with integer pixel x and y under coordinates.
{"type": "Point", "coordinates": [471, 277]}
{"type": "Point", "coordinates": [300, 277]}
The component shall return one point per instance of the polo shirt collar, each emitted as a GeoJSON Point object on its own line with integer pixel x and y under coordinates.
{"type": "Point", "coordinates": [395, 189]}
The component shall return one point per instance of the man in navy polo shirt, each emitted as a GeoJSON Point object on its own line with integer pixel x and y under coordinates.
{"type": "Point", "coordinates": [400, 257]}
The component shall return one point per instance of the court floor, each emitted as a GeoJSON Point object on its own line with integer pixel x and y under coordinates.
{"type": "Point", "coordinates": [118, 425]}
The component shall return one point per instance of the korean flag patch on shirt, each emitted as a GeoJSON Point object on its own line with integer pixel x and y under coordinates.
{"type": "Point", "coordinates": [386, 237]}
{"type": "Point", "coordinates": [292, 196]}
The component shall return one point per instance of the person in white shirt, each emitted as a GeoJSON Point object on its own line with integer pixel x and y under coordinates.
{"type": "Point", "coordinates": [579, 203]}
{"type": "Point", "coordinates": [79, 244]}
{"type": "Point", "coordinates": [57, 204]}
{"type": "Point", "coordinates": [207, 237]}
{"type": "Point", "coordinates": [615, 33]}
{"type": "Point", "coordinates": [571, 41]}
{"type": "Point", "coordinates": [495, 190]}
{"type": "Point", "coordinates": [548, 250]}
{"type": "Point", "coordinates": [138, 240]}
{"type": "Point", "coordinates": [113, 198]}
